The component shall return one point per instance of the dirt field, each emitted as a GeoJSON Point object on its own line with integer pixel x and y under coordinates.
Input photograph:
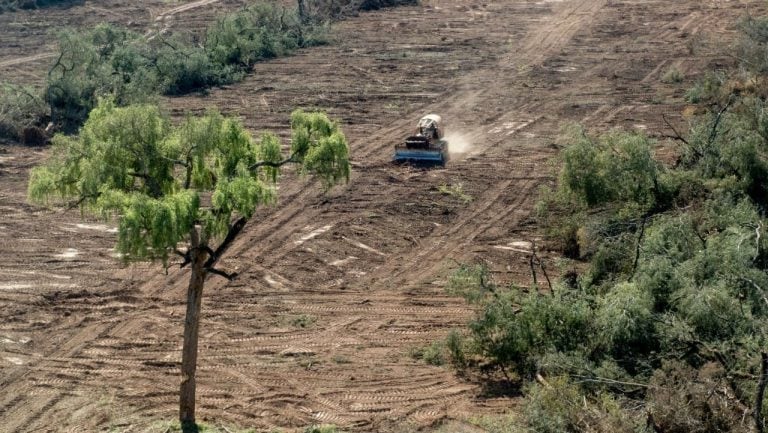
{"type": "Point", "coordinates": [334, 289]}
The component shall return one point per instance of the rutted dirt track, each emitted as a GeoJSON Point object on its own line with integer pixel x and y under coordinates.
{"type": "Point", "coordinates": [87, 344]}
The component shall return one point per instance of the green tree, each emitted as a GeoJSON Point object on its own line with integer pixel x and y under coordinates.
{"type": "Point", "coordinates": [130, 164]}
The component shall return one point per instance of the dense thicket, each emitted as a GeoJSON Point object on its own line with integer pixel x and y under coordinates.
{"type": "Point", "coordinates": [134, 68]}
{"type": "Point", "coordinates": [666, 329]}
{"type": "Point", "coordinates": [336, 9]}
{"type": "Point", "coordinates": [12, 5]}
{"type": "Point", "coordinates": [109, 60]}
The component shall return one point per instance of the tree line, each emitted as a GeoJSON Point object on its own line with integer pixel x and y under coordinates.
{"type": "Point", "coordinates": [135, 68]}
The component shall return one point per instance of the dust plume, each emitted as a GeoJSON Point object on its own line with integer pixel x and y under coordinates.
{"type": "Point", "coordinates": [458, 143]}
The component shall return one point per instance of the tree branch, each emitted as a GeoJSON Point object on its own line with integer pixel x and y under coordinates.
{"type": "Point", "coordinates": [80, 201]}
{"type": "Point", "coordinates": [234, 230]}
{"type": "Point", "coordinates": [186, 256]}
{"type": "Point", "coordinates": [637, 249]}
{"type": "Point", "coordinates": [221, 273]}
{"type": "Point", "coordinates": [677, 135]}
{"type": "Point", "coordinates": [176, 161]}
{"type": "Point", "coordinates": [713, 134]}
{"type": "Point", "coordinates": [290, 159]}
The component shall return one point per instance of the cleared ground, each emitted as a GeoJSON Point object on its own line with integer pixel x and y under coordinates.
{"type": "Point", "coordinates": [334, 289]}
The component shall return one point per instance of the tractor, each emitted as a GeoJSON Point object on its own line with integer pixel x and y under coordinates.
{"type": "Point", "coordinates": [427, 147]}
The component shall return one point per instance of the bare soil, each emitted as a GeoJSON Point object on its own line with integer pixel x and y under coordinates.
{"type": "Point", "coordinates": [336, 288]}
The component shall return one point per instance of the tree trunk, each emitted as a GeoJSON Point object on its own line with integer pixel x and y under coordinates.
{"type": "Point", "coordinates": [191, 327]}
{"type": "Point", "coordinates": [302, 12]}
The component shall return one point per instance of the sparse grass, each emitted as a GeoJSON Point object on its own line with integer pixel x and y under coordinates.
{"type": "Point", "coordinates": [455, 190]}
{"type": "Point", "coordinates": [507, 423]}
{"type": "Point", "coordinates": [673, 75]}
{"type": "Point", "coordinates": [340, 359]}
{"type": "Point", "coordinates": [432, 354]}
{"type": "Point", "coordinates": [657, 99]}
{"type": "Point", "coordinates": [307, 361]}
{"type": "Point", "coordinates": [303, 321]}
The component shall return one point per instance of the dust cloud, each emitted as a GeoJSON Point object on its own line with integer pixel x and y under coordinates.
{"type": "Point", "coordinates": [458, 143]}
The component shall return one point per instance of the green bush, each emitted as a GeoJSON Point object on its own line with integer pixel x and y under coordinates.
{"type": "Point", "coordinates": [131, 68]}
{"type": "Point", "coordinates": [555, 408]}
{"type": "Point", "coordinates": [259, 32]}
{"type": "Point", "coordinates": [187, 69]}
{"type": "Point", "coordinates": [472, 282]}
{"type": "Point", "coordinates": [105, 60]}
{"type": "Point", "coordinates": [617, 167]}
{"type": "Point", "coordinates": [457, 348]}
{"type": "Point", "coordinates": [514, 329]}
{"type": "Point", "coordinates": [434, 354]}
{"type": "Point", "coordinates": [559, 406]}
{"type": "Point", "coordinates": [625, 324]}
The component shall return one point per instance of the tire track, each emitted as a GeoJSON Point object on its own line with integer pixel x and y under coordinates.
{"type": "Point", "coordinates": [237, 362]}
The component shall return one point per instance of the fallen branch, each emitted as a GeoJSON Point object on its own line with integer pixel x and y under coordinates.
{"type": "Point", "coordinates": [677, 135]}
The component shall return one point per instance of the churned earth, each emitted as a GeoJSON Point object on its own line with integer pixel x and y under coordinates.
{"type": "Point", "coordinates": [335, 289]}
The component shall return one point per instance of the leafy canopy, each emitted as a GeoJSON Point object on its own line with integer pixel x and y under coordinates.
{"type": "Point", "coordinates": [160, 181]}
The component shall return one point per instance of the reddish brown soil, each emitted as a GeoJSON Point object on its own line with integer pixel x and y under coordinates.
{"type": "Point", "coordinates": [87, 344]}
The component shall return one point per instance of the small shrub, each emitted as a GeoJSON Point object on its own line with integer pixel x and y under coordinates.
{"type": "Point", "coordinates": [188, 69]}
{"type": "Point", "coordinates": [455, 190]}
{"type": "Point", "coordinates": [456, 345]}
{"type": "Point", "coordinates": [625, 323]}
{"type": "Point", "coordinates": [340, 359]}
{"type": "Point", "coordinates": [303, 321]}
{"type": "Point", "coordinates": [434, 354]}
{"type": "Point", "coordinates": [262, 31]}
{"type": "Point", "coordinates": [514, 329]}
{"type": "Point", "coordinates": [472, 282]}
{"type": "Point", "coordinates": [673, 75]}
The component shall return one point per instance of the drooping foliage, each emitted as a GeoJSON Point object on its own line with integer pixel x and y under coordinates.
{"type": "Point", "coordinates": [156, 180]}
